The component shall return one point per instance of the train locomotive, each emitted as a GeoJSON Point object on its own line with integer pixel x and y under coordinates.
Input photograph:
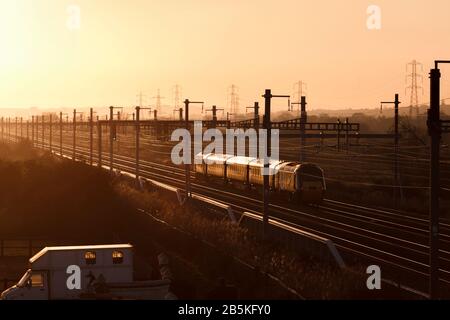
{"type": "Point", "coordinates": [297, 182]}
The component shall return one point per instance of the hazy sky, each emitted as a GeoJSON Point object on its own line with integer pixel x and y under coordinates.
{"type": "Point", "coordinates": [123, 47]}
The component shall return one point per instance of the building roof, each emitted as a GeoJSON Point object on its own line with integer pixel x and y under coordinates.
{"type": "Point", "coordinates": [87, 247]}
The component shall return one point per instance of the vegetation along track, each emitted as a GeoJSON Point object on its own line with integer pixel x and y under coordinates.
{"type": "Point", "coordinates": [397, 242]}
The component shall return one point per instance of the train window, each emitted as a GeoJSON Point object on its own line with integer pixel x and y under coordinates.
{"type": "Point", "coordinates": [37, 279]}
{"type": "Point", "coordinates": [90, 257]}
{"type": "Point", "coordinates": [117, 257]}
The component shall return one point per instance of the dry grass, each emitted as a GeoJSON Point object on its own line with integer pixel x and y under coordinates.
{"type": "Point", "coordinates": [307, 275]}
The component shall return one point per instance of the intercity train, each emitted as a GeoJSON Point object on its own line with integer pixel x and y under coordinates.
{"type": "Point", "coordinates": [302, 182]}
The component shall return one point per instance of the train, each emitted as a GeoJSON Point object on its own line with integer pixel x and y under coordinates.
{"type": "Point", "coordinates": [293, 181]}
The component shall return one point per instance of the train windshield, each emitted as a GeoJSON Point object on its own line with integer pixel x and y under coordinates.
{"type": "Point", "coordinates": [310, 173]}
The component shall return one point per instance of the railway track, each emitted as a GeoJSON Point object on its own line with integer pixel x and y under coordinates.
{"type": "Point", "coordinates": [397, 242]}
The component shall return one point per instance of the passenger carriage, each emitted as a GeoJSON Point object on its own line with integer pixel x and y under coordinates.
{"type": "Point", "coordinates": [303, 182]}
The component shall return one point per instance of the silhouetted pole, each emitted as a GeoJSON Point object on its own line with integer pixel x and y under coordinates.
{"type": "Point", "coordinates": [35, 140]}
{"type": "Point", "coordinates": [61, 134]}
{"type": "Point", "coordinates": [346, 135]}
{"type": "Point", "coordinates": [434, 130]}
{"type": "Point", "coordinates": [28, 133]}
{"type": "Point", "coordinates": [435, 134]}
{"type": "Point", "coordinates": [15, 132]}
{"type": "Point", "coordinates": [339, 135]}
{"type": "Point", "coordinates": [21, 128]}
{"type": "Point", "coordinates": [2, 127]}
{"type": "Point", "coordinates": [267, 124]}
{"type": "Point", "coordinates": [137, 132]}
{"type": "Point", "coordinates": [255, 122]}
{"type": "Point", "coordinates": [99, 147]}
{"type": "Point", "coordinates": [396, 103]}
{"type": "Point", "coordinates": [180, 114]}
{"type": "Point", "coordinates": [155, 115]}
{"type": "Point", "coordinates": [91, 135]}
{"type": "Point", "coordinates": [396, 145]}
{"type": "Point", "coordinates": [51, 133]}
{"type": "Point", "coordinates": [214, 110]}
{"type": "Point", "coordinates": [187, 166]}
{"type": "Point", "coordinates": [74, 137]}
{"type": "Point", "coordinates": [303, 120]}
{"type": "Point", "coordinates": [111, 138]}
{"type": "Point", "coordinates": [214, 117]}
{"type": "Point", "coordinates": [321, 140]}
{"type": "Point", "coordinates": [228, 120]}
{"type": "Point", "coordinates": [43, 131]}
{"type": "Point", "coordinates": [256, 115]}
{"type": "Point", "coordinates": [138, 137]}
{"type": "Point", "coordinates": [32, 130]}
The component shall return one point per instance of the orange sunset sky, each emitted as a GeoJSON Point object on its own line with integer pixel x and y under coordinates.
{"type": "Point", "coordinates": [123, 47]}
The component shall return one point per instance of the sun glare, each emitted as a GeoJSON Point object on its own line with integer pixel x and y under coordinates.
{"type": "Point", "coordinates": [13, 37]}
